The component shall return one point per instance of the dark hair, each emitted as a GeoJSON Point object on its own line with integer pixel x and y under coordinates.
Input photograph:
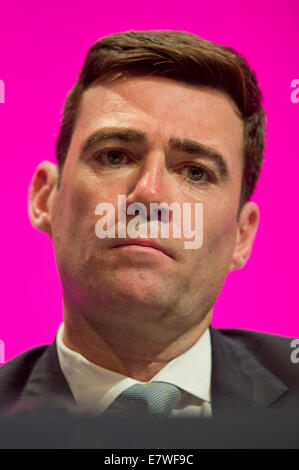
{"type": "Point", "coordinates": [180, 56]}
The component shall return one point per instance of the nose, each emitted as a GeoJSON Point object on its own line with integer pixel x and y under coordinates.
{"type": "Point", "coordinates": [149, 184]}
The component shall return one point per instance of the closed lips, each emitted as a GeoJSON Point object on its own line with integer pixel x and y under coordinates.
{"type": "Point", "coordinates": [148, 243]}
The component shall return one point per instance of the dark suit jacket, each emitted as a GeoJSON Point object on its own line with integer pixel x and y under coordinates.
{"type": "Point", "coordinates": [251, 371]}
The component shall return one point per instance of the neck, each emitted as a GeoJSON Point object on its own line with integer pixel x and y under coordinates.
{"type": "Point", "coordinates": [132, 350]}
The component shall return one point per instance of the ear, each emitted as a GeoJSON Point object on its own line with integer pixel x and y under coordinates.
{"type": "Point", "coordinates": [246, 231]}
{"type": "Point", "coordinates": [42, 188]}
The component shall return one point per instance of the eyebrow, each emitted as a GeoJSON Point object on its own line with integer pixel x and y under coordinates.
{"type": "Point", "coordinates": [107, 133]}
{"type": "Point", "coordinates": [190, 147]}
{"type": "Point", "coordinates": [205, 152]}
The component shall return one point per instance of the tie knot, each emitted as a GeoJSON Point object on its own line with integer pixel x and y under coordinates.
{"type": "Point", "coordinates": [152, 398]}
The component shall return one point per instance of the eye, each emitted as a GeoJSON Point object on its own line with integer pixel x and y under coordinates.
{"type": "Point", "coordinates": [111, 157]}
{"type": "Point", "coordinates": [198, 175]}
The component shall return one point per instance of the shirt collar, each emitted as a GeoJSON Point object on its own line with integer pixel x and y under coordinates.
{"type": "Point", "coordinates": [94, 386]}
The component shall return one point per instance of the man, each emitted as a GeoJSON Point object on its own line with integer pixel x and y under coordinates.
{"type": "Point", "coordinates": [159, 117]}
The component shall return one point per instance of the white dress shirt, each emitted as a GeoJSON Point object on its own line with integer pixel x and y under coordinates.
{"type": "Point", "coordinates": [95, 388]}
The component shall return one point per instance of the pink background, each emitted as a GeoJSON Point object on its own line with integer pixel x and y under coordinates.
{"type": "Point", "coordinates": [42, 50]}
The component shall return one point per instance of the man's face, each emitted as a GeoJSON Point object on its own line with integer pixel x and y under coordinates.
{"type": "Point", "coordinates": [134, 283]}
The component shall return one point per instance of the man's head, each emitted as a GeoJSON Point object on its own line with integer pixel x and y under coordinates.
{"type": "Point", "coordinates": [179, 56]}
{"type": "Point", "coordinates": [162, 101]}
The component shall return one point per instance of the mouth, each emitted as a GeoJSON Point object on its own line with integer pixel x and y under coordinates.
{"type": "Point", "coordinates": [153, 246]}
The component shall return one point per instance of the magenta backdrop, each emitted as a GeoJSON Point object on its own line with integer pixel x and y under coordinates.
{"type": "Point", "coordinates": [42, 50]}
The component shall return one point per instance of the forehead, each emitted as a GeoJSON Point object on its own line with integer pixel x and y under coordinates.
{"type": "Point", "coordinates": [163, 108]}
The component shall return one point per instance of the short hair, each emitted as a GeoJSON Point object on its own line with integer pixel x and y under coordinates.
{"type": "Point", "coordinates": [180, 56]}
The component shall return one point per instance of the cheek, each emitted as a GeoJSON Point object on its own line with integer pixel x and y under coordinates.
{"type": "Point", "coordinates": [80, 200]}
{"type": "Point", "coordinates": [72, 219]}
{"type": "Point", "coordinates": [220, 238]}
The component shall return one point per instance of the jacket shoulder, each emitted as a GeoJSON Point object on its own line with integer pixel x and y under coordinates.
{"type": "Point", "coordinates": [15, 373]}
{"type": "Point", "coordinates": [250, 337]}
{"type": "Point", "coordinates": [274, 352]}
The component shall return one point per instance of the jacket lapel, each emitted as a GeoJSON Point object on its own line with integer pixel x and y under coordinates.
{"type": "Point", "coordinates": [239, 382]}
{"type": "Point", "coordinates": [46, 384]}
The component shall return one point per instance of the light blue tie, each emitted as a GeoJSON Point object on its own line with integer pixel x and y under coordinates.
{"type": "Point", "coordinates": [152, 398]}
